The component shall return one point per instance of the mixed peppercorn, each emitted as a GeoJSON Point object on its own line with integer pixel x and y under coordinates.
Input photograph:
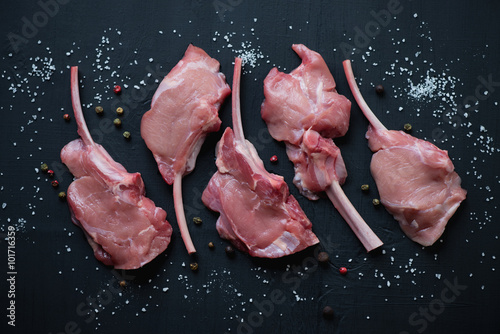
{"type": "Point", "coordinates": [99, 110]}
{"type": "Point", "coordinates": [379, 89]}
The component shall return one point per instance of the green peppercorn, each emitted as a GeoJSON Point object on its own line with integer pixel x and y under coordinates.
{"type": "Point", "coordinates": [365, 187]}
{"type": "Point", "coordinates": [44, 168]}
{"type": "Point", "coordinates": [99, 110]}
{"type": "Point", "coordinates": [62, 195]}
{"type": "Point", "coordinates": [126, 134]}
{"type": "Point", "coordinates": [407, 127]}
{"type": "Point", "coordinates": [193, 266]}
{"type": "Point", "coordinates": [376, 201]}
{"type": "Point", "coordinates": [117, 122]}
{"type": "Point", "coordinates": [119, 111]}
{"type": "Point", "coordinates": [211, 245]}
{"type": "Point", "coordinates": [197, 220]}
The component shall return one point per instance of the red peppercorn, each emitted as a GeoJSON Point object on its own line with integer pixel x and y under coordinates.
{"type": "Point", "coordinates": [50, 172]}
{"type": "Point", "coordinates": [343, 270]}
{"type": "Point", "coordinates": [67, 117]}
{"type": "Point", "coordinates": [55, 184]}
{"type": "Point", "coordinates": [274, 158]}
{"type": "Point", "coordinates": [117, 89]}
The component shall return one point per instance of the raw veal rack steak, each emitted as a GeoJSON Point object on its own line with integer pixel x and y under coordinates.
{"type": "Point", "coordinates": [184, 110]}
{"type": "Point", "coordinates": [416, 180]}
{"type": "Point", "coordinates": [304, 110]}
{"type": "Point", "coordinates": [124, 227]}
{"type": "Point", "coordinates": [257, 213]}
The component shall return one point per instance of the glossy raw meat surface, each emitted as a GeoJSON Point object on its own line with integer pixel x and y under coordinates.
{"type": "Point", "coordinates": [124, 227]}
{"type": "Point", "coordinates": [416, 180]}
{"type": "Point", "coordinates": [304, 99]}
{"type": "Point", "coordinates": [317, 162]}
{"type": "Point", "coordinates": [184, 110]}
{"type": "Point", "coordinates": [304, 110]}
{"type": "Point", "coordinates": [257, 213]}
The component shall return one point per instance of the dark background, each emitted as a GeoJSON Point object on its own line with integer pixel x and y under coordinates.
{"type": "Point", "coordinates": [400, 288]}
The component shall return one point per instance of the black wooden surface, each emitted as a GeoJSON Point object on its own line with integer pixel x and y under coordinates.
{"type": "Point", "coordinates": [451, 287]}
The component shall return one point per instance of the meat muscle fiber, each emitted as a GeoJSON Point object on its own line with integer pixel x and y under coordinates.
{"type": "Point", "coordinates": [257, 213]}
{"type": "Point", "coordinates": [124, 227]}
{"type": "Point", "coordinates": [304, 110]}
{"type": "Point", "coordinates": [184, 109]}
{"type": "Point", "coordinates": [416, 180]}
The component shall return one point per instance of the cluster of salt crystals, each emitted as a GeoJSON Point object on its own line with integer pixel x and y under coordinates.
{"type": "Point", "coordinates": [41, 68]}
{"type": "Point", "coordinates": [29, 82]}
{"type": "Point", "coordinates": [429, 87]}
{"type": "Point", "coordinates": [107, 76]}
{"type": "Point", "coordinates": [433, 86]}
{"type": "Point", "coordinates": [101, 65]}
{"type": "Point", "coordinates": [250, 55]}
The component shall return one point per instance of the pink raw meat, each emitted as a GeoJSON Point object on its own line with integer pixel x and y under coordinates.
{"type": "Point", "coordinates": [124, 227]}
{"type": "Point", "coordinates": [317, 162]}
{"type": "Point", "coordinates": [184, 110]}
{"type": "Point", "coordinates": [257, 213]}
{"type": "Point", "coordinates": [304, 110]}
{"type": "Point", "coordinates": [304, 99]}
{"type": "Point", "coordinates": [416, 180]}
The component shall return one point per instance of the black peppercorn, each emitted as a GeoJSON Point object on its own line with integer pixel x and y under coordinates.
{"type": "Point", "coordinates": [323, 257]}
{"type": "Point", "coordinates": [328, 312]}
